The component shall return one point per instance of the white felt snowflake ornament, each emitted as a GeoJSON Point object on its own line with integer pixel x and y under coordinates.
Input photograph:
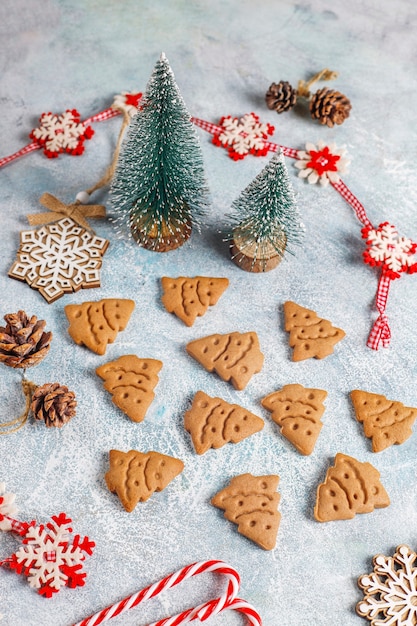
{"type": "Point", "coordinates": [127, 102]}
{"type": "Point", "coordinates": [59, 258]}
{"type": "Point", "coordinates": [243, 136]}
{"type": "Point", "coordinates": [386, 249]}
{"type": "Point", "coordinates": [390, 591]}
{"type": "Point", "coordinates": [50, 558]}
{"type": "Point", "coordinates": [321, 164]}
{"type": "Point", "coordinates": [7, 507]}
{"type": "Point", "coordinates": [61, 133]}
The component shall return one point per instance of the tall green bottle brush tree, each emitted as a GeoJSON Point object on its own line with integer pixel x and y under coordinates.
{"type": "Point", "coordinates": [265, 221]}
{"type": "Point", "coordinates": [159, 192]}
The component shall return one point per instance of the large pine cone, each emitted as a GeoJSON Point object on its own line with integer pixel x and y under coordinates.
{"type": "Point", "coordinates": [22, 341]}
{"type": "Point", "coordinates": [281, 96]}
{"type": "Point", "coordinates": [329, 107]}
{"type": "Point", "coordinates": [54, 404]}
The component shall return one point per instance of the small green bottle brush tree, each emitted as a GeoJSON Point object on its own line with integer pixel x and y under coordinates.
{"type": "Point", "coordinates": [265, 221]}
{"type": "Point", "coordinates": [159, 190]}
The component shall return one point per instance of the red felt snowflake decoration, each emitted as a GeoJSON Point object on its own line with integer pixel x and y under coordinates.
{"type": "Point", "coordinates": [386, 249]}
{"type": "Point", "coordinates": [243, 136]}
{"type": "Point", "coordinates": [61, 133]}
{"type": "Point", "coordinates": [49, 557]}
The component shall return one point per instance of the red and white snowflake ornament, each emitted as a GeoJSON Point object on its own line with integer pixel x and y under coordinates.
{"type": "Point", "coordinates": [321, 164]}
{"type": "Point", "coordinates": [386, 249]}
{"type": "Point", "coordinates": [61, 133]}
{"type": "Point", "coordinates": [7, 507]}
{"type": "Point", "coordinates": [243, 136]}
{"type": "Point", "coordinates": [50, 559]}
{"type": "Point", "coordinates": [127, 102]}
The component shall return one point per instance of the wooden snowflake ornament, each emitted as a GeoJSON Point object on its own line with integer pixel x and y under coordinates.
{"type": "Point", "coordinates": [390, 594]}
{"type": "Point", "coordinates": [59, 258]}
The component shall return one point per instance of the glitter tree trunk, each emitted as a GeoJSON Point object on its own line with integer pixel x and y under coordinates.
{"type": "Point", "coordinates": [159, 191]}
{"type": "Point", "coordinates": [265, 221]}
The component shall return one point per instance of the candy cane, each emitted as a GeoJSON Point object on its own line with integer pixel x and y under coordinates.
{"type": "Point", "coordinates": [203, 612]}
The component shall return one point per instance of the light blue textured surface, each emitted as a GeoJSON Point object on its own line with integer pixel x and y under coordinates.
{"type": "Point", "coordinates": [64, 54]}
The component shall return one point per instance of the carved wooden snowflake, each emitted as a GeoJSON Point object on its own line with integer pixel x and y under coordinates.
{"type": "Point", "coordinates": [49, 559]}
{"type": "Point", "coordinates": [386, 249]}
{"type": "Point", "coordinates": [243, 136]}
{"type": "Point", "coordinates": [61, 133]}
{"type": "Point", "coordinates": [59, 258]}
{"type": "Point", "coordinates": [390, 591]}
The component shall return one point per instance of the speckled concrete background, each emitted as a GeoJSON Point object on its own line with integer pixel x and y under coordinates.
{"type": "Point", "coordinates": [64, 54]}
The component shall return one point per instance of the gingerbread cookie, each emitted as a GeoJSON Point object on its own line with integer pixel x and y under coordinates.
{"type": "Point", "coordinates": [189, 298]}
{"type": "Point", "coordinates": [96, 324]}
{"type": "Point", "coordinates": [213, 422]}
{"type": "Point", "coordinates": [297, 410]}
{"type": "Point", "coordinates": [234, 357]}
{"type": "Point", "coordinates": [252, 503]}
{"type": "Point", "coordinates": [386, 422]}
{"type": "Point", "coordinates": [310, 335]}
{"type": "Point", "coordinates": [131, 382]}
{"type": "Point", "coordinates": [134, 476]}
{"type": "Point", "coordinates": [350, 487]}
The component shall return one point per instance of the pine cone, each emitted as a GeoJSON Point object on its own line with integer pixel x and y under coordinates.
{"type": "Point", "coordinates": [22, 341]}
{"type": "Point", "coordinates": [329, 107]}
{"type": "Point", "coordinates": [281, 97]}
{"type": "Point", "coordinates": [54, 404]}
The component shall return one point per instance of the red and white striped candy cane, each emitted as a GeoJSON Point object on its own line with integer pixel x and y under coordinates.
{"type": "Point", "coordinates": [202, 612]}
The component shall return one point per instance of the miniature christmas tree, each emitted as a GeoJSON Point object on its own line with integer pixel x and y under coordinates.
{"type": "Point", "coordinates": [265, 219]}
{"type": "Point", "coordinates": [159, 190]}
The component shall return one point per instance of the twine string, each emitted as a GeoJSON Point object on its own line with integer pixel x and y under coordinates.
{"type": "Point", "coordinates": [12, 426]}
{"type": "Point", "coordinates": [303, 87]}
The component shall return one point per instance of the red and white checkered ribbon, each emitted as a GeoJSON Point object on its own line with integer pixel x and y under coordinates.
{"type": "Point", "coordinates": [228, 600]}
{"type": "Point", "coordinates": [380, 332]}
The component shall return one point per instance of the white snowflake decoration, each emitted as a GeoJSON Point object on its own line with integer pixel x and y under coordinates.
{"type": "Point", "coordinates": [59, 258]}
{"type": "Point", "coordinates": [7, 507]}
{"type": "Point", "coordinates": [49, 559]}
{"type": "Point", "coordinates": [61, 133]}
{"type": "Point", "coordinates": [387, 249]}
{"type": "Point", "coordinates": [321, 164]}
{"type": "Point", "coordinates": [243, 136]}
{"type": "Point", "coordinates": [127, 102]}
{"type": "Point", "coordinates": [390, 591]}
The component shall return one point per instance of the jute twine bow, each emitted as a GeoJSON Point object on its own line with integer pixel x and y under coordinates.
{"type": "Point", "coordinates": [303, 87]}
{"type": "Point", "coordinates": [77, 212]}
{"type": "Point", "coordinates": [7, 428]}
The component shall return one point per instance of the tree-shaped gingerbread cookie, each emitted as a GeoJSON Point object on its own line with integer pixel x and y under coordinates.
{"type": "Point", "coordinates": [298, 410]}
{"type": "Point", "coordinates": [386, 422]}
{"type": "Point", "coordinates": [189, 298]}
{"type": "Point", "coordinates": [350, 487]}
{"type": "Point", "coordinates": [135, 476]}
{"type": "Point", "coordinates": [234, 357]}
{"type": "Point", "coordinates": [310, 335]}
{"type": "Point", "coordinates": [252, 503]}
{"type": "Point", "coordinates": [213, 422]}
{"type": "Point", "coordinates": [131, 382]}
